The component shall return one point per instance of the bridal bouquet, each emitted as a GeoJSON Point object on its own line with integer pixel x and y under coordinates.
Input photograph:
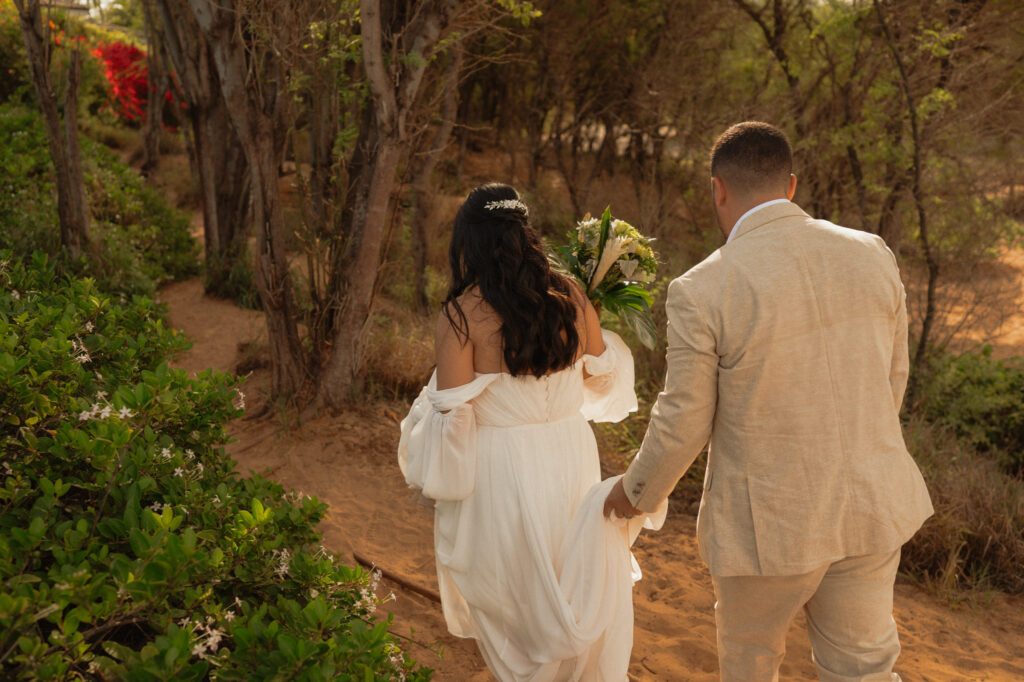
{"type": "Point", "coordinates": [613, 263]}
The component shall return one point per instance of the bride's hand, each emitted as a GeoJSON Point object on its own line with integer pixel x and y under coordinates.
{"type": "Point", "coordinates": [619, 503]}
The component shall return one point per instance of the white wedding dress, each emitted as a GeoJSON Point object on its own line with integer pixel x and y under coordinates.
{"type": "Point", "coordinates": [526, 562]}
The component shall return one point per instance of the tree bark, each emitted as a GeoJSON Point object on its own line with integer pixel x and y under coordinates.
{"type": "Point", "coordinates": [931, 262]}
{"type": "Point", "coordinates": [159, 84]}
{"type": "Point", "coordinates": [217, 156]}
{"type": "Point", "coordinates": [394, 87]}
{"type": "Point", "coordinates": [421, 184]}
{"type": "Point", "coordinates": [256, 115]}
{"type": "Point", "coordinates": [63, 141]}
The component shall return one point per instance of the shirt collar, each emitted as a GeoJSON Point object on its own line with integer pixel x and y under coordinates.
{"type": "Point", "coordinates": [735, 228]}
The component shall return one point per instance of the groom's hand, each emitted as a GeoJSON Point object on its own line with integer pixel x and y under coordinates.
{"type": "Point", "coordinates": [618, 502]}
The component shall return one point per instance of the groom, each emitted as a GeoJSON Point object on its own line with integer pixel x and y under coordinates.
{"type": "Point", "coordinates": [787, 348]}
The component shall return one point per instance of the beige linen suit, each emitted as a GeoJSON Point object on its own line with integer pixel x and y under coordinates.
{"type": "Point", "coordinates": [787, 348]}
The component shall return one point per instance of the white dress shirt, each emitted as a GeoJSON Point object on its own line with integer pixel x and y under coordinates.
{"type": "Point", "coordinates": [746, 215]}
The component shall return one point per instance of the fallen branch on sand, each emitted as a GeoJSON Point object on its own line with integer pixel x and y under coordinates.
{"type": "Point", "coordinates": [402, 582]}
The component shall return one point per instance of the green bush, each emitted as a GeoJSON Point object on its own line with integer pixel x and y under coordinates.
{"type": "Point", "coordinates": [129, 547]}
{"type": "Point", "coordinates": [14, 75]}
{"type": "Point", "coordinates": [981, 400]}
{"type": "Point", "coordinates": [144, 241]}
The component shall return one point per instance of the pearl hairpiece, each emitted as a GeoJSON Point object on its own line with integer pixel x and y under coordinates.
{"type": "Point", "coordinates": [507, 204]}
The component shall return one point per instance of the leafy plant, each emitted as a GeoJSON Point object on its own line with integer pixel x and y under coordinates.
{"type": "Point", "coordinates": [129, 547]}
{"type": "Point", "coordinates": [982, 400]}
{"type": "Point", "coordinates": [145, 241]}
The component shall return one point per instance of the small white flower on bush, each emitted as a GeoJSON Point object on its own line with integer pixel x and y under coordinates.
{"type": "Point", "coordinates": [125, 413]}
{"type": "Point", "coordinates": [166, 454]}
{"type": "Point", "coordinates": [79, 353]}
{"type": "Point", "coordinates": [178, 471]}
{"type": "Point", "coordinates": [239, 400]}
{"type": "Point", "coordinates": [283, 558]}
{"type": "Point", "coordinates": [89, 327]}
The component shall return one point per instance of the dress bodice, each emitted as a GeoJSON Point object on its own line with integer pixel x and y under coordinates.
{"type": "Point", "coordinates": [520, 400]}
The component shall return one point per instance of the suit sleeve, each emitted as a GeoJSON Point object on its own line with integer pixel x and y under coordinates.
{"type": "Point", "coordinates": [683, 414]}
{"type": "Point", "coordinates": [899, 369]}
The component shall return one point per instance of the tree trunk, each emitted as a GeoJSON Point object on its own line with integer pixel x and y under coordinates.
{"type": "Point", "coordinates": [71, 203]}
{"type": "Point", "coordinates": [256, 114]}
{"type": "Point", "coordinates": [76, 195]}
{"type": "Point", "coordinates": [159, 84]}
{"type": "Point", "coordinates": [421, 184]}
{"type": "Point", "coordinates": [394, 87]}
{"type": "Point", "coordinates": [342, 374]}
{"type": "Point", "coordinates": [216, 153]}
{"type": "Point", "coordinates": [931, 262]}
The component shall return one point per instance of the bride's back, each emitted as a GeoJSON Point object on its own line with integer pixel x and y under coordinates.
{"type": "Point", "coordinates": [485, 331]}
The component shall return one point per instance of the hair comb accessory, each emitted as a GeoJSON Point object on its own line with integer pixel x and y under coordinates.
{"type": "Point", "coordinates": [507, 205]}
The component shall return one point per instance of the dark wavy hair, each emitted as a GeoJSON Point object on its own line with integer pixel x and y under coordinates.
{"type": "Point", "coordinates": [496, 249]}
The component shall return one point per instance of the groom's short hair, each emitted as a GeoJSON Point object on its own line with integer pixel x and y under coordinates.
{"type": "Point", "coordinates": [752, 156]}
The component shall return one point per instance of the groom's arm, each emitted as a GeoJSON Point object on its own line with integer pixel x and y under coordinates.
{"type": "Point", "coordinates": [681, 418]}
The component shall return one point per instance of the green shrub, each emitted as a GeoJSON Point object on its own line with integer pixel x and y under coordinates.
{"type": "Point", "coordinates": [14, 75]}
{"type": "Point", "coordinates": [981, 400]}
{"type": "Point", "coordinates": [144, 241]}
{"type": "Point", "coordinates": [129, 548]}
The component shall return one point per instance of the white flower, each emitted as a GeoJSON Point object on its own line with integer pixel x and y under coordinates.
{"type": "Point", "coordinates": [124, 413]}
{"type": "Point", "coordinates": [199, 650]}
{"type": "Point", "coordinates": [199, 468]}
{"type": "Point", "coordinates": [613, 248]}
{"type": "Point", "coordinates": [15, 295]}
{"type": "Point", "coordinates": [105, 412]}
{"type": "Point", "coordinates": [89, 327]}
{"type": "Point", "coordinates": [156, 507]}
{"type": "Point", "coordinates": [229, 615]}
{"type": "Point", "coordinates": [189, 454]}
{"type": "Point", "coordinates": [178, 471]}
{"type": "Point", "coordinates": [283, 557]}
{"type": "Point", "coordinates": [100, 395]}
{"type": "Point", "coordinates": [84, 416]}
{"type": "Point", "coordinates": [216, 499]}
{"type": "Point", "coordinates": [627, 267]}
{"type": "Point", "coordinates": [239, 400]}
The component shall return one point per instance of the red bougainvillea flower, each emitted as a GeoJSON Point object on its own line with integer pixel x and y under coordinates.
{"type": "Point", "coordinates": [125, 69]}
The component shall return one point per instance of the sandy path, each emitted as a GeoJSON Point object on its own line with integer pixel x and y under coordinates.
{"type": "Point", "coordinates": [349, 462]}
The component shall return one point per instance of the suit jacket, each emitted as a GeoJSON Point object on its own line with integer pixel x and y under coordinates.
{"type": "Point", "coordinates": [787, 347]}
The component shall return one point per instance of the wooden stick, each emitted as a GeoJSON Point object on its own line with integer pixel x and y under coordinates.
{"type": "Point", "coordinates": [402, 582]}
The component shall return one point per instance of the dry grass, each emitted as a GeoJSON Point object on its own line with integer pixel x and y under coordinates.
{"type": "Point", "coordinates": [399, 351]}
{"type": "Point", "coordinates": [975, 540]}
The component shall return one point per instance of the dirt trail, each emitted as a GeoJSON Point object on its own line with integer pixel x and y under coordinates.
{"type": "Point", "coordinates": [349, 462]}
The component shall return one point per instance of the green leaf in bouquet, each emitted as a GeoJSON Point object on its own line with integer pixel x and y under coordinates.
{"type": "Point", "coordinates": [606, 228]}
{"type": "Point", "coordinates": [642, 324]}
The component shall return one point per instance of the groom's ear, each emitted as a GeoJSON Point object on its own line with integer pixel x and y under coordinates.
{"type": "Point", "coordinates": [792, 187]}
{"type": "Point", "coordinates": [718, 190]}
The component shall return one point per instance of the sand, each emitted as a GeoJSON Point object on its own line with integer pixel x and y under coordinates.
{"type": "Point", "coordinates": [349, 461]}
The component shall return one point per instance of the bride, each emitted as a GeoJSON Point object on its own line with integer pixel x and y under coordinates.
{"type": "Point", "coordinates": [499, 441]}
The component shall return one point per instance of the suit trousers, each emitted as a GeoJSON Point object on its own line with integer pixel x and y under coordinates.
{"type": "Point", "coordinates": [848, 605]}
